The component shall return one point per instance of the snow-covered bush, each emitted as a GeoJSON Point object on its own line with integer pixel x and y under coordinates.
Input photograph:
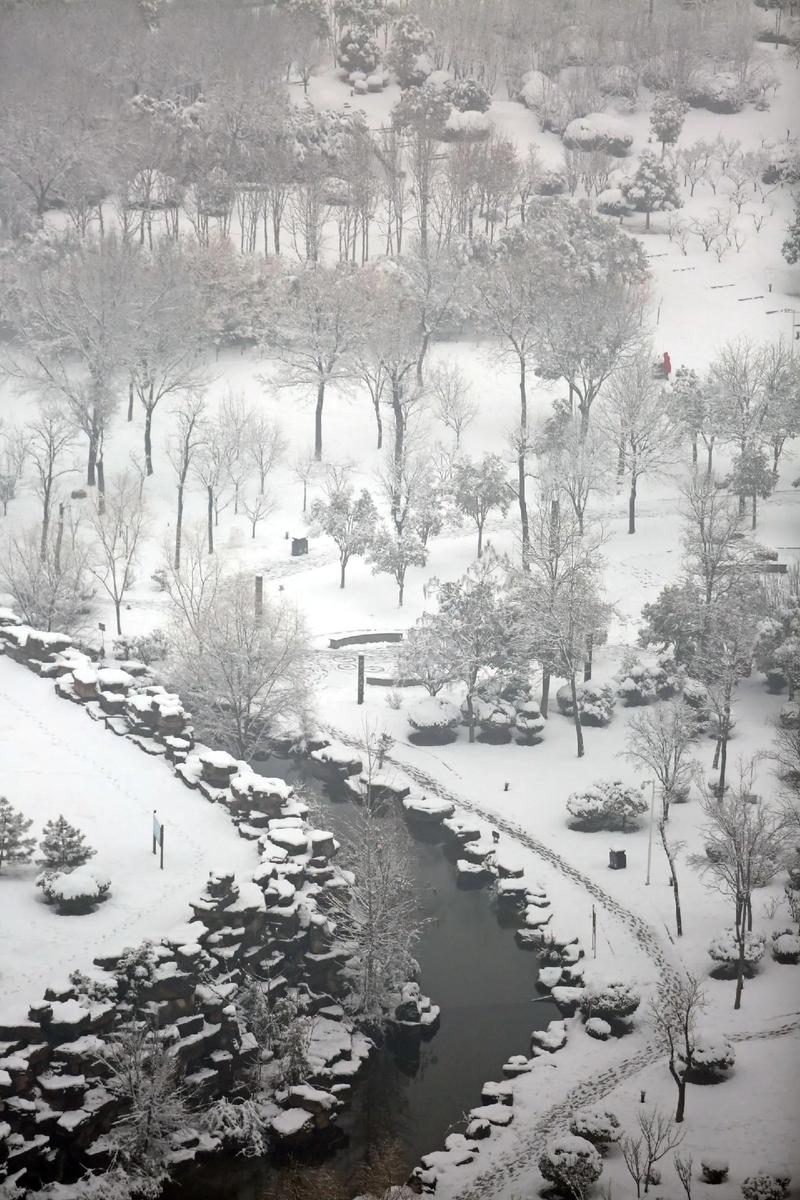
{"type": "Point", "coordinates": [612, 202]}
{"type": "Point", "coordinates": [719, 92]}
{"type": "Point", "coordinates": [434, 719]}
{"type": "Point", "coordinates": [711, 1058]}
{"type": "Point", "coordinates": [696, 696]}
{"type": "Point", "coordinates": [467, 125]}
{"type": "Point", "coordinates": [409, 55]}
{"type": "Point", "coordinates": [529, 722]}
{"type": "Point", "coordinates": [653, 187]}
{"type": "Point", "coordinates": [144, 647]}
{"type": "Point", "coordinates": [358, 50]}
{"type": "Point", "coordinates": [239, 1125]}
{"type": "Point", "coordinates": [714, 1170]}
{"type": "Point", "coordinates": [496, 719]}
{"type": "Point", "coordinates": [724, 951]}
{"type": "Point", "coordinates": [599, 1029]}
{"type": "Point", "coordinates": [547, 99]}
{"type": "Point", "coordinates": [598, 131]}
{"type": "Point", "coordinates": [618, 80]}
{"type": "Point", "coordinates": [15, 844]}
{"type": "Point", "coordinates": [136, 968]}
{"type": "Point", "coordinates": [467, 95]}
{"type": "Point", "coordinates": [611, 1002]}
{"type": "Point", "coordinates": [789, 716]}
{"type": "Point", "coordinates": [609, 804]}
{"type": "Point", "coordinates": [786, 947]}
{"type": "Point", "coordinates": [595, 702]}
{"type": "Point", "coordinates": [641, 682]}
{"type": "Point", "coordinates": [597, 1125]}
{"type": "Point", "coordinates": [766, 1185]}
{"type": "Point", "coordinates": [75, 892]}
{"type": "Point", "coordinates": [572, 1164]}
{"type": "Point", "coordinates": [551, 183]}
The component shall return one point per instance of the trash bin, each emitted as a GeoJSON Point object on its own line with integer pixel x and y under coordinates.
{"type": "Point", "coordinates": [617, 860]}
{"type": "Point", "coordinates": [299, 546]}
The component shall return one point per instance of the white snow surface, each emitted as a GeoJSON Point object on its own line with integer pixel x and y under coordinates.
{"type": "Point", "coordinates": [56, 760]}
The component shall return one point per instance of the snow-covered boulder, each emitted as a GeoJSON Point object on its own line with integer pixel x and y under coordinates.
{"type": "Point", "coordinates": [597, 1028]}
{"type": "Point", "coordinates": [337, 757]}
{"type": "Point", "coordinates": [431, 809]}
{"type": "Point", "coordinates": [551, 1039]}
{"type": "Point", "coordinates": [598, 131]}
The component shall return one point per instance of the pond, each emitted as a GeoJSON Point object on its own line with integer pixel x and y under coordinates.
{"type": "Point", "coordinates": [470, 966]}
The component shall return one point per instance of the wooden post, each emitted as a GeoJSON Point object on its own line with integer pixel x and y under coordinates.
{"type": "Point", "coordinates": [161, 844]}
{"type": "Point", "coordinates": [155, 826]}
{"type": "Point", "coordinates": [594, 932]}
{"type": "Point", "coordinates": [361, 679]}
{"type": "Point", "coordinates": [259, 598]}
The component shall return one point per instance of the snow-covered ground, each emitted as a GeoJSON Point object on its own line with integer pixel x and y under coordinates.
{"type": "Point", "coordinates": [56, 760]}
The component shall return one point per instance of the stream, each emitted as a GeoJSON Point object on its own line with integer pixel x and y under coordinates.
{"type": "Point", "coordinates": [415, 1095]}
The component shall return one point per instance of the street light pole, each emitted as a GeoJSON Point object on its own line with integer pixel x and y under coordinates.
{"type": "Point", "coordinates": [650, 832]}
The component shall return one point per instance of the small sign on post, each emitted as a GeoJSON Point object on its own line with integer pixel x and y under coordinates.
{"type": "Point", "coordinates": [158, 837]}
{"type": "Point", "coordinates": [361, 679]}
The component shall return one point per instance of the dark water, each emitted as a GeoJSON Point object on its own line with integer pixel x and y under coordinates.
{"type": "Point", "coordinates": [471, 968]}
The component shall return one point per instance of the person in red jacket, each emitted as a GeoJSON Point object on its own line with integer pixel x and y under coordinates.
{"type": "Point", "coordinates": [667, 364]}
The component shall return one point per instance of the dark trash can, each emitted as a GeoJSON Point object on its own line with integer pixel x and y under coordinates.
{"type": "Point", "coordinates": [617, 860]}
{"type": "Point", "coordinates": [299, 546]}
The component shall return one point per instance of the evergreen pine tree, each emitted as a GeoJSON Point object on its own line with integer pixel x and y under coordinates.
{"type": "Point", "coordinates": [15, 847]}
{"type": "Point", "coordinates": [63, 846]}
{"type": "Point", "coordinates": [654, 187]}
{"type": "Point", "coordinates": [791, 246]}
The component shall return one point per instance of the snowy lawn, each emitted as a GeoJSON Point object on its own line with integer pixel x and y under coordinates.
{"type": "Point", "coordinates": [55, 759]}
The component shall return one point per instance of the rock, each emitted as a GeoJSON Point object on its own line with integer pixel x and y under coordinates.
{"type": "Point", "coordinates": [497, 1093]}
{"type": "Point", "coordinates": [495, 1114]}
{"type": "Point", "coordinates": [549, 977]}
{"type": "Point", "coordinates": [427, 809]}
{"type": "Point", "coordinates": [551, 1039]}
{"type": "Point", "coordinates": [479, 1129]}
{"type": "Point", "coordinates": [293, 1125]}
{"type": "Point", "coordinates": [516, 1065]}
{"type": "Point", "coordinates": [463, 829]}
{"type": "Point", "coordinates": [596, 1027]}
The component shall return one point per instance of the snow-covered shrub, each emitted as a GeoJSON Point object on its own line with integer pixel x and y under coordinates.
{"type": "Point", "coordinates": [94, 989]}
{"type": "Point", "coordinates": [766, 1185]}
{"type": "Point", "coordinates": [612, 202]}
{"type": "Point", "coordinates": [611, 1002]}
{"type": "Point", "coordinates": [136, 968]}
{"type": "Point", "coordinates": [573, 1165]}
{"type": "Point", "coordinates": [547, 99]}
{"type": "Point", "coordinates": [467, 95]}
{"type": "Point", "coordinates": [239, 1125]}
{"type": "Point", "coordinates": [609, 804]}
{"type": "Point", "coordinates": [551, 183]}
{"type": "Point", "coordinates": [711, 1058]}
{"type": "Point", "coordinates": [641, 682]}
{"type": "Point", "coordinates": [786, 947]}
{"type": "Point", "coordinates": [595, 702]}
{"type": "Point", "coordinates": [75, 892]}
{"type": "Point", "coordinates": [719, 92]}
{"type": "Point", "coordinates": [358, 50]}
{"type": "Point", "coordinates": [714, 1170]}
{"type": "Point", "coordinates": [495, 718]}
{"type": "Point", "coordinates": [598, 131]}
{"type": "Point", "coordinates": [529, 722]}
{"type": "Point", "coordinates": [618, 80]}
{"type": "Point", "coordinates": [144, 647]}
{"type": "Point", "coordinates": [463, 126]}
{"type": "Point", "coordinates": [696, 696]}
{"type": "Point", "coordinates": [599, 1029]}
{"type": "Point", "coordinates": [409, 54]}
{"type": "Point", "coordinates": [597, 1125]}
{"type": "Point", "coordinates": [789, 716]}
{"type": "Point", "coordinates": [434, 719]}
{"type": "Point", "coordinates": [724, 951]}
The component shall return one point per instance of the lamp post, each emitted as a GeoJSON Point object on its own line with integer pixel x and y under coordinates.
{"type": "Point", "coordinates": [652, 784]}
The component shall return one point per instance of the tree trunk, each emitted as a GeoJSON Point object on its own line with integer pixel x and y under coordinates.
{"type": "Point", "coordinates": [754, 512]}
{"type": "Point", "coordinates": [343, 563]}
{"type": "Point", "coordinates": [576, 714]}
{"type": "Point", "coordinates": [318, 420]}
{"type": "Point", "coordinates": [545, 701]}
{"type": "Point", "coordinates": [587, 666]}
{"type": "Point", "coordinates": [59, 537]}
{"type": "Point", "coordinates": [647, 220]}
{"type": "Point", "coordinates": [632, 506]}
{"type": "Point", "coordinates": [148, 440]}
{"type": "Point", "coordinates": [523, 433]}
{"type": "Point", "coordinates": [130, 401]}
{"type": "Point", "coordinates": [676, 897]}
{"type": "Point", "coordinates": [401, 586]}
{"type": "Point", "coordinates": [681, 1109]}
{"type": "Point", "coordinates": [480, 538]}
{"type": "Point", "coordinates": [378, 422]}
{"type": "Point", "coordinates": [91, 465]}
{"type": "Point", "coordinates": [694, 450]}
{"type": "Point", "coordinates": [117, 609]}
{"type": "Point", "coordinates": [45, 526]}
{"type": "Point", "coordinates": [737, 1003]}
{"type": "Point", "coordinates": [723, 749]}
{"type": "Point", "coordinates": [210, 519]}
{"type": "Point", "coordinates": [178, 529]}
{"type": "Point", "coordinates": [710, 457]}
{"type": "Point", "coordinates": [470, 717]}
{"type": "Point", "coordinates": [101, 485]}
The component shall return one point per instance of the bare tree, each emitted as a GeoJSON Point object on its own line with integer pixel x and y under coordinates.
{"type": "Point", "coordinates": [746, 842]}
{"type": "Point", "coordinates": [657, 1137]}
{"type": "Point", "coordinates": [577, 465]}
{"type": "Point", "coordinates": [638, 416]}
{"type": "Point", "coordinates": [211, 466]}
{"type": "Point", "coordinates": [184, 446]}
{"type": "Point", "coordinates": [48, 582]}
{"type": "Point", "coordinates": [234, 425]}
{"type": "Point", "coordinates": [265, 445]}
{"type": "Point", "coordinates": [314, 332]}
{"type": "Point", "coordinates": [239, 672]}
{"type": "Point", "coordinates": [118, 531]}
{"type": "Point", "coordinates": [660, 739]}
{"type": "Point", "coordinates": [257, 508]}
{"type": "Point", "coordinates": [674, 1012]}
{"type": "Point", "coordinates": [51, 437]}
{"type": "Point", "coordinates": [14, 449]}
{"type": "Point", "coordinates": [304, 468]}
{"type": "Point", "coordinates": [453, 404]}
{"type": "Point", "coordinates": [684, 1165]}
